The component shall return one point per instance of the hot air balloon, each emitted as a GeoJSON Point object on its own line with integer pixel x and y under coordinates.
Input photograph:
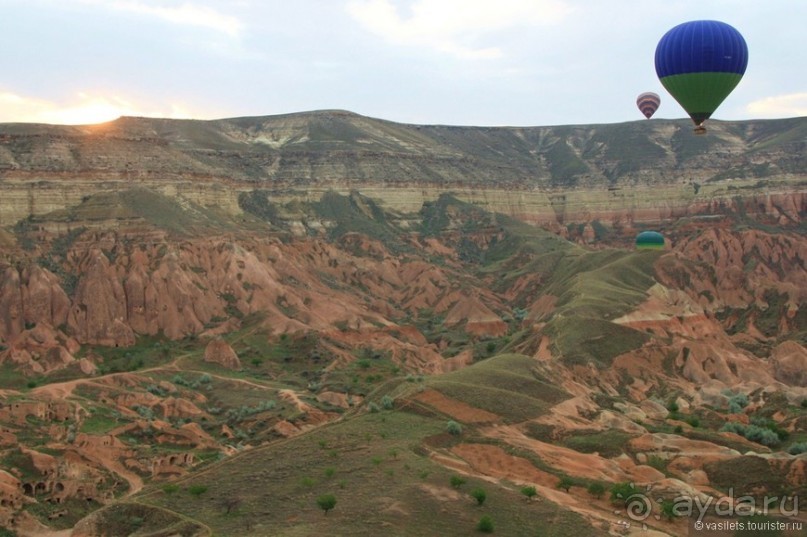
{"type": "Point", "coordinates": [648, 103]}
{"type": "Point", "coordinates": [649, 240]}
{"type": "Point", "coordinates": [700, 63]}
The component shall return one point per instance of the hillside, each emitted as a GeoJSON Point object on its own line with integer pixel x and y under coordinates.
{"type": "Point", "coordinates": [173, 362]}
{"type": "Point", "coordinates": [643, 171]}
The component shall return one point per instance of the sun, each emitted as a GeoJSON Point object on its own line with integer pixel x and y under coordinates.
{"type": "Point", "coordinates": [86, 108]}
{"type": "Point", "coordinates": [90, 110]}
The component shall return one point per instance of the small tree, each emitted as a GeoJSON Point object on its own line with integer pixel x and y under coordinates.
{"type": "Point", "coordinates": [485, 524]}
{"type": "Point", "coordinates": [565, 483]}
{"type": "Point", "coordinates": [230, 504]}
{"type": "Point", "coordinates": [479, 495]}
{"type": "Point", "coordinates": [597, 490]}
{"type": "Point", "coordinates": [454, 428]}
{"type": "Point", "coordinates": [387, 402]}
{"type": "Point", "coordinates": [326, 502]}
{"type": "Point", "coordinates": [529, 492]}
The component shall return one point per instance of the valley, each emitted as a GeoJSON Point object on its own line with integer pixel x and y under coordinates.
{"type": "Point", "coordinates": [206, 327]}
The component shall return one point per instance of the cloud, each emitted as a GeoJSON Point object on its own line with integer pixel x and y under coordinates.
{"type": "Point", "coordinates": [453, 26]}
{"type": "Point", "coordinates": [187, 14]}
{"type": "Point", "coordinates": [791, 105]}
{"type": "Point", "coordinates": [83, 109]}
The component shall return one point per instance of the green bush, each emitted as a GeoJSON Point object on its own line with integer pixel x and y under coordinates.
{"type": "Point", "coordinates": [454, 428]}
{"type": "Point", "coordinates": [479, 495]}
{"type": "Point", "coordinates": [620, 492]}
{"type": "Point", "coordinates": [485, 524]}
{"type": "Point", "coordinates": [326, 502]}
{"type": "Point", "coordinates": [668, 509]}
{"type": "Point", "coordinates": [596, 489]}
{"type": "Point", "coordinates": [387, 402]}
{"type": "Point", "coordinates": [197, 490]}
{"type": "Point", "coordinates": [754, 433]}
{"type": "Point", "coordinates": [737, 403]}
{"type": "Point", "coordinates": [457, 481]}
{"type": "Point", "coordinates": [529, 492]}
{"type": "Point", "coordinates": [170, 488]}
{"type": "Point", "coordinates": [797, 448]}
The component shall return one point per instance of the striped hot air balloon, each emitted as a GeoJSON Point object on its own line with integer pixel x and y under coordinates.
{"type": "Point", "coordinates": [648, 102]}
{"type": "Point", "coordinates": [700, 63]}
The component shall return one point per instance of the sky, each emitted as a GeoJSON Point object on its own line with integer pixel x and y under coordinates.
{"type": "Point", "coordinates": [451, 62]}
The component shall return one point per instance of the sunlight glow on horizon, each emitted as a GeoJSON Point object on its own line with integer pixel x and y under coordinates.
{"type": "Point", "coordinates": [85, 109]}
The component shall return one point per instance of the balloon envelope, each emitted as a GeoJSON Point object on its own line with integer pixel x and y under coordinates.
{"type": "Point", "coordinates": [648, 103]}
{"type": "Point", "coordinates": [649, 240]}
{"type": "Point", "coordinates": [700, 63]}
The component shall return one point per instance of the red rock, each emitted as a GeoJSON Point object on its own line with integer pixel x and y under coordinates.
{"type": "Point", "coordinates": [219, 352]}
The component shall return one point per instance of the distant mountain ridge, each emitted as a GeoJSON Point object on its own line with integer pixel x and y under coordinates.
{"type": "Point", "coordinates": [341, 150]}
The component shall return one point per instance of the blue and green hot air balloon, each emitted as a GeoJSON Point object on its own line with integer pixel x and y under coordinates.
{"type": "Point", "coordinates": [650, 240]}
{"type": "Point", "coordinates": [700, 63]}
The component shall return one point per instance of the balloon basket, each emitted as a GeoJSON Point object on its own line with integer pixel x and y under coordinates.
{"type": "Point", "coordinates": [700, 129]}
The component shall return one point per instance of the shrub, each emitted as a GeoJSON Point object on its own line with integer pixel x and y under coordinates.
{"type": "Point", "coordinates": [678, 429]}
{"type": "Point", "coordinates": [668, 509]}
{"type": "Point", "coordinates": [658, 463]}
{"type": "Point", "coordinates": [197, 490]}
{"type": "Point", "coordinates": [179, 380]}
{"type": "Point", "coordinates": [620, 492]}
{"type": "Point", "coordinates": [326, 502]}
{"type": "Point", "coordinates": [457, 481]}
{"type": "Point", "coordinates": [155, 390]}
{"type": "Point", "coordinates": [479, 495]}
{"type": "Point", "coordinates": [797, 448]}
{"type": "Point", "coordinates": [673, 407]}
{"type": "Point", "coordinates": [485, 524]}
{"type": "Point", "coordinates": [387, 402]}
{"type": "Point", "coordinates": [737, 403]}
{"type": "Point", "coordinates": [372, 407]}
{"type": "Point", "coordinates": [170, 488]}
{"type": "Point", "coordinates": [754, 433]}
{"type": "Point", "coordinates": [733, 427]}
{"type": "Point", "coordinates": [454, 428]}
{"type": "Point", "coordinates": [596, 489]}
{"type": "Point", "coordinates": [529, 492]}
{"type": "Point", "coordinates": [761, 435]}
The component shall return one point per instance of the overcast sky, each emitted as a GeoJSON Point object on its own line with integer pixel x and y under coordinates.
{"type": "Point", "coordinates": [458, 62]}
